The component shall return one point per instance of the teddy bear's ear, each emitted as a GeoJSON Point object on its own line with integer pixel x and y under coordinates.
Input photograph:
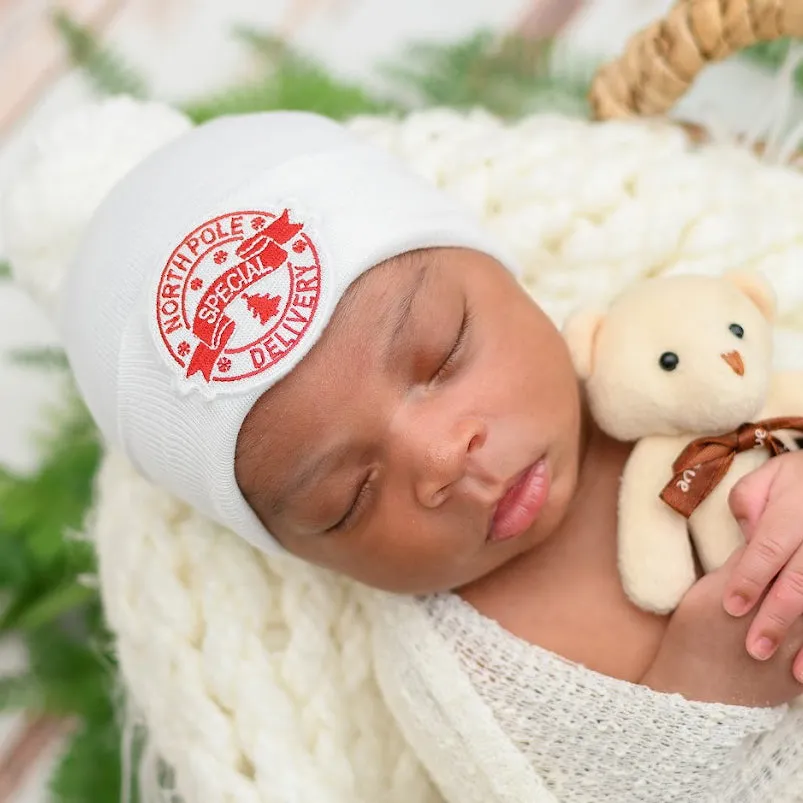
{"type": "Point", "coordinates": [757, 288]}
{"type": "Point", "coordinates": [580, 332]}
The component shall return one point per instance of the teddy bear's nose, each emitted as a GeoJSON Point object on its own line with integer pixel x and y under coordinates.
{"type": "Point", "coordinates": [734, 359]}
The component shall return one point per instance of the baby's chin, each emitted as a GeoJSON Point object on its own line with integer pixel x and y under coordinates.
{"type": "Point", "coordinates": [456, 574]}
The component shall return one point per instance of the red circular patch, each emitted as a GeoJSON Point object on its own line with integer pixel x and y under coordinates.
{"type": "Point", "coordinates": [237, 295]}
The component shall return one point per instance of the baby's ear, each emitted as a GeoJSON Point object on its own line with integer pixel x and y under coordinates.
{"type": "Point", "coordinates": [757, 288]}
{"type": "Point", "coordinates": [580, 332]}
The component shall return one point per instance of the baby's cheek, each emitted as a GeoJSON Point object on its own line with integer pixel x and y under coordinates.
{"type": "Point", "coordinates": [411, 552]}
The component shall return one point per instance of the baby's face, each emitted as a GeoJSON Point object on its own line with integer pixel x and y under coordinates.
{"type": "Point", "coordinates": [385, 453]}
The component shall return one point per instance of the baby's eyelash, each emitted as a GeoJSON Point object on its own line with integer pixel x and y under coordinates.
{"type": "Point", "coordinates": [360, 500]}
{"type": "Point", "coordinates": [451, 358]}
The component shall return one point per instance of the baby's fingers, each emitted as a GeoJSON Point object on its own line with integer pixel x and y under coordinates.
{"type": "Point", "coordinates": [771, 534]}
{"type": "Point", "coordinates": [779, 611]}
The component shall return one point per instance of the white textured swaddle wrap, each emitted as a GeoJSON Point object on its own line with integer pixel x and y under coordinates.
{"type": "Point", "coordinates": [259, 678]}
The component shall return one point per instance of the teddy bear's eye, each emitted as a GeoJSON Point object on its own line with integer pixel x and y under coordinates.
{"type": "Point", "coordinates": [669, 361]}
{"type": "Point", "coordinates": [737, 330]}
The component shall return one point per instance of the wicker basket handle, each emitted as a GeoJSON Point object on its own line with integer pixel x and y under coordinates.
{"type": "Point", "coordinates": [661, 62]}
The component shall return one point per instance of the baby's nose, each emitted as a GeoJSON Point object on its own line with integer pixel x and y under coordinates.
{"type": "Point", "coordinates": [442, 460]}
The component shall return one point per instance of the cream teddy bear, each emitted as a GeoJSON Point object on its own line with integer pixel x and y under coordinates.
{"type": "Point", "coordinates": [672, 360]}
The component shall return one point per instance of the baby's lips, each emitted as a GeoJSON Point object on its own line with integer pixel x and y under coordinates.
{"type": "Point", "coordinates": [252, 246]}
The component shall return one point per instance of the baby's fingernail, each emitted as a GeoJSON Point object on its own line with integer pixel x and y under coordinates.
{"type": "Point", "coordinates": [737, 604]}
{"type": "Point", "coordinates": [763, 648]}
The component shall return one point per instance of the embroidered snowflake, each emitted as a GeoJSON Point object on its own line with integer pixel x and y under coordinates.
{"type": "Point", "coordinates": [196, 284]}
{"type": "Point", "coordinates": [220, 257]}
{"type": "Point", "coordinates": [224, 364]}
{"type": "Point", "coordinates": [258, 223]}
{"type": "Point", "coordinates": [299, 246]}
{"type": "Point", "coordinates": [183, 348]}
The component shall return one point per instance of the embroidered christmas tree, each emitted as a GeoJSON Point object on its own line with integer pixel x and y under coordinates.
{"type": "Point", "coordinates": [264, 307]}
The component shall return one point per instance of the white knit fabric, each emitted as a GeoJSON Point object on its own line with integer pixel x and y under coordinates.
{"type": "Point", "coordinates": [504, 720]}
{"type": "Point", "coordinates": [253, 675]}
{"type": "Point", "coordinates": [259, 678]}
{"type": "Point", "coordinates": [44, 218]}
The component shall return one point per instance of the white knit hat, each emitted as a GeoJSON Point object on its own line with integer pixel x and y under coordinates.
{"type": "Point", "coordinates": [209, 270]}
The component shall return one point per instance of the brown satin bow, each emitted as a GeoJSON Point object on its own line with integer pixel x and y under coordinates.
{"type": "Point", "coordinates": [705, 461]}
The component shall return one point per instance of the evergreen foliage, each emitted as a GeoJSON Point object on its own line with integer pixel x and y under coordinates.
{"type": "Point", "coordinates": [108, 72]}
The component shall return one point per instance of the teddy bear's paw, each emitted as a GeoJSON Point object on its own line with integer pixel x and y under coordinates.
{"type": "Point", "coordinates": [656, 591]}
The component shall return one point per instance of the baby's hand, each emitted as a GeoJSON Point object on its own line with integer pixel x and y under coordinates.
{"type": "Point", "coordinates": [702, 654]}
{"type": "Point", "coordinates": [769, 506]}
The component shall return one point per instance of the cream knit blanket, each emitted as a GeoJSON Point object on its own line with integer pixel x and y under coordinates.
{"type": "Point", "coordinates": [258, 679]}
{"type": "Point", "coordinates": [255, 676]}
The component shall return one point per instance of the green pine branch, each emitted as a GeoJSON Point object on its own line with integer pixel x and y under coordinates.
{"type": "Point", "coordinates": [75, 672]}
{"type": "Point", "coordinates": [106, 70]}
{"type": "Point", "coordinates": [47, 606]}
{"type": "Point", "coordinates": [91, 767]}
{"type": "Point", "coordinates": [296, 90]}
{"type": "Point", "coordinates": [510, 77]}
{"type": "Point", "coordinates": [42, 570]}
{"type": "Point", "coordinates": [286, 80]}
{"type": "Point", "coordinates": [772, 55]}
{"type": "Point", "coordinates": [46, 357]}
{"type": "Point", "coordinates": [5, 270]}
{"type": "Point", "coordinates": [21, 693]}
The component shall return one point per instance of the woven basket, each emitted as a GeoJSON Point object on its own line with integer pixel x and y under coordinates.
{"type": "Point", "coordinates": [661, 62]}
